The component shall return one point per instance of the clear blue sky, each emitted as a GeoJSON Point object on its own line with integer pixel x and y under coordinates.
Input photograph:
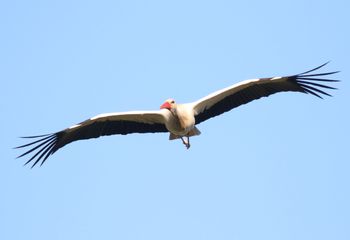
{"type": "Point", "coordinates": [277, 168]}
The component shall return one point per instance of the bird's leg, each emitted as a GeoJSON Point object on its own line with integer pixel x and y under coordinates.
{"type": "Point", "coordinates": [187, 143]}
{"type": "Point", "coordinates": [183, 141]}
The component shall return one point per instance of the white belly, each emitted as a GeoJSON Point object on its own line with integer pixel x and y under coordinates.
{"type": "Point", "coordinates": [181, 123]}
{"type": "Point", "coordinates": [174, 126]}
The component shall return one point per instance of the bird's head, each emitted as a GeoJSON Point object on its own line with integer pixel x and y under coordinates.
{"type": "Point", "coordinates": [168, 104]}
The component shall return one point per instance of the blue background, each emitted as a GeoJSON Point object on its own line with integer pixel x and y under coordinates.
{"type": "Point", "coordinates": [277, 168]}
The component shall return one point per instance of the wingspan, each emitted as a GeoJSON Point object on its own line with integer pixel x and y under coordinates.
{"type": "Point", "coordinates": [101, 125]}
{"type": "Point", "coordinates": [246, 91]}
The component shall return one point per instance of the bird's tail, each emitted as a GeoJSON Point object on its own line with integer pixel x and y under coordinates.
{"type": "Point", "coordinates": [194, 132]}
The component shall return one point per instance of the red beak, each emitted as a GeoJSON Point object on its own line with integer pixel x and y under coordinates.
{"type": "Point", "coordinates": [165, 105]}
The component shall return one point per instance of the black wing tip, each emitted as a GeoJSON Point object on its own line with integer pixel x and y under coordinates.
{"type": "Point", "coordinates": [316, 68]}
{"type": "Point", "coordinates": [309, 81]}
{"type": "Point", "coordinates": [37, 136]}
{"type": "Point", "coordinates": [44, 147]}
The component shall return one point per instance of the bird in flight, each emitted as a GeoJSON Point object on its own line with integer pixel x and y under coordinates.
{"type": "Point", "coordinates": [179, 120]}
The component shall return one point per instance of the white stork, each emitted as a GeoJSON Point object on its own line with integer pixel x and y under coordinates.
{"type": "Point", "coordinates": [178, 119]}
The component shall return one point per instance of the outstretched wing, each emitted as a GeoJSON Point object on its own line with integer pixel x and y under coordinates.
{"type": "Point", "coordinates": [243, 92]}
{"type": "Point", "coordinates": [101, 125]}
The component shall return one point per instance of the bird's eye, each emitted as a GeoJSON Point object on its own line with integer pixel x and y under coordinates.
{"type": "Point", "coordinates": [172, 101]}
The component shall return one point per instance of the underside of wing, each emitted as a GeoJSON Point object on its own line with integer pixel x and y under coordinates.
{"type": "Point", "coordinates": [102, 125]}
{"type": "Point", "coordinates": [247, 91]}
